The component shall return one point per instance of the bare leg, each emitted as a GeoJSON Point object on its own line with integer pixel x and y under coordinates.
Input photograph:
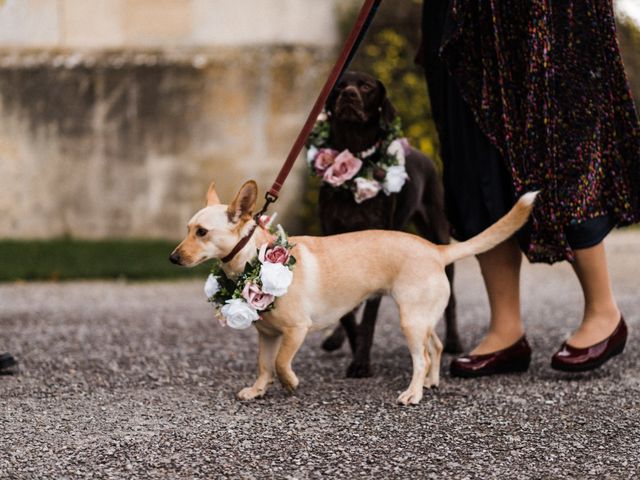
{"type": "Point", "coordinates": [501, 273]}
{"type": "Point", "coordinates": [601, 313]}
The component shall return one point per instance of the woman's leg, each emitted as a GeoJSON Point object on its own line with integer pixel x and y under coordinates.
{"type": "Point", "coordinates": [501, 273]}
{"type": "Point", "coordinates": [601, 313]}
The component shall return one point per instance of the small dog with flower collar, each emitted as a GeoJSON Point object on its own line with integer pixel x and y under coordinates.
{"type": "Point", "coordinates": [332, 276]}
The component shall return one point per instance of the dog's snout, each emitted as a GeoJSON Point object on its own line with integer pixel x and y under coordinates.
{"type": "Point", "coordinates": [175, 258]}
{"type": "Point", "coordinates": [350, 92]}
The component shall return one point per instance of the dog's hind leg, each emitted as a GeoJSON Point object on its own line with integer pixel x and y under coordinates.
{"type": "Point", "coordinates": [436, 231]}
{"type": "Point", "coordinates": [416, 331]}
{"type": "Point", "coordinates": [420, 310]}
{"type": "Point", "coordinates": [434, 346]}
{"type": "Point", "coordinates": [360, 367]}
{"type": "Point", "coordinates": [268, 346]}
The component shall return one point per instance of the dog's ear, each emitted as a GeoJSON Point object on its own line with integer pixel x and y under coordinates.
{"type": "Point", "coordinates": [212, 195]}
{"type": "Point", "coordinates": [387, 110]}
{"type": "Point", "coordinates": [245, 202]}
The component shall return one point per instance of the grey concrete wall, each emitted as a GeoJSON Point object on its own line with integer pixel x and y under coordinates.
{"type": "Point", "coordinates": [115, 114]}
{"type": "Point", "coordinates": [124, 145]}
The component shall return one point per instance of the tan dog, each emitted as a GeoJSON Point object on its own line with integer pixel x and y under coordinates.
{"type": "Point", "coordinates": [334, 274]}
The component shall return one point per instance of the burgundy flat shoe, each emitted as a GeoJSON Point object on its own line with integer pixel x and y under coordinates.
{"type": "Point", "coordinates": [572, 359]}
{"type": "Point", "coordinates": [513, 359]}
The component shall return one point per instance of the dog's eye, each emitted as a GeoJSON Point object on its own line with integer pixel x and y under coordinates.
{"type": "Point", "coordinates": [201, 232]}
{"type": "Point", "coordinates": [365, 87]}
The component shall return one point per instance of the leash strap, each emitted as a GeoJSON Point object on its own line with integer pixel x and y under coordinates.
{"type": "Point", "coordinates": [357, 34]}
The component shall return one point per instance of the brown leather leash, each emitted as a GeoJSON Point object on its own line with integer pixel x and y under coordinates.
{"type": "Point", "coordinates": [357, 34]}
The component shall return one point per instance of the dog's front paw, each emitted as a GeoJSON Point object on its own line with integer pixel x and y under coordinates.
{"type": "Point", "coordinates": [359, 370]}
{"type": "Point", "coordinates": [409, 397]}
{"type": "Point", "coordinates": [250, 393]}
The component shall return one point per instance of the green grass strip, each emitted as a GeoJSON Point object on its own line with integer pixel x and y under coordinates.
{"type": "Point", "coordinates": [67, 259]}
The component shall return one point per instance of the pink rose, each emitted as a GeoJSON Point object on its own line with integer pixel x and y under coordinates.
{"type": "Point", "coordinates": [277, 254]}
{"type": "Point", "coordinates": [324, 159]}
{"type": "Point", "coordinates": [256, 297]}
{"type": "Point", "coordinates": [344, 168]}
{"type": "Point", "coordinates": [366, 189]}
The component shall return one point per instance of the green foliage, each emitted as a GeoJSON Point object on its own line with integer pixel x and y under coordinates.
{"type": "Point", "coordinates": [65, 259]}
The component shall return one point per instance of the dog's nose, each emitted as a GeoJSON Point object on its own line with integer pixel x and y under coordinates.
{"type": "Point", "coordinates": [350, 92]}
{"type": "Point", "coordinates": [175, 258]}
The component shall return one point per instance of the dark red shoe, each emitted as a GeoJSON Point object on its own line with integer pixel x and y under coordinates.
{"type": "Point", "coordinates": [513, 359]}
{"type": "Point", "coordinates": [572, 359]}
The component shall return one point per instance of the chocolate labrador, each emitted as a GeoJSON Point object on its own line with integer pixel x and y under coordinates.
{"type": "Point", "coordinates": [359, 111]}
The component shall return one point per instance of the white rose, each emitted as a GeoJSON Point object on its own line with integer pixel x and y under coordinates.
{"type": "Point", "coordinates": [238, 313]}
{"type": "Point", "coordinates": [275, 278]}
{"type": "Point", "coordinates": [366, 189]}
{"type": "Point", "coordinates": [396, 149]}
{"type": "Point", "coordinates": [322, 117]}
{"type": "Point", "coordinates": [312, 153]}
{"type": "Point", "coordinates": [211, 286]}
{"type": "Point", "coordinates": [394, 181]}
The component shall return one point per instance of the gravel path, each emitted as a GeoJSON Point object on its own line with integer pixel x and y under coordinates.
{"type": "Point", "coordinates": [138, 380]}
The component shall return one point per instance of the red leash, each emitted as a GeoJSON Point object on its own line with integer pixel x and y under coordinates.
{"type": "Point", "coordinates": [357, 34]}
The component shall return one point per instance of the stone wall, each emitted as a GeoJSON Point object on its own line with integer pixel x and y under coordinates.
{"type": "Point", "coordinates": [83, 24]}
{"type": "Point", "coordinates": [115, 117]}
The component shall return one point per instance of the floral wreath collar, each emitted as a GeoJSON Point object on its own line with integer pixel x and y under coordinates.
{"type": "Point", "coordinates": [240, 301]}
{"type": "Point", "coordinates": [364, 173]}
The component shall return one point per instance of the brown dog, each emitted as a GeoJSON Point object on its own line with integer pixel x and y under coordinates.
{"type": "Point", "coordinates": [360, 115]}
{"type": "Point", "coordinates": [336, 273]}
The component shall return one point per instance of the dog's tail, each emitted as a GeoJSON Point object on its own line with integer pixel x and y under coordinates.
{"type": "Point", "coordinates": [495, 234]}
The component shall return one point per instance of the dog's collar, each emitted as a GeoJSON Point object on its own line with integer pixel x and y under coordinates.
{"type": "Point", "coordinates": [379, 168]}
{"type": "Point", "coordinates": [240, 245]}
{"type": "Point", "coordinates": [369, 151]}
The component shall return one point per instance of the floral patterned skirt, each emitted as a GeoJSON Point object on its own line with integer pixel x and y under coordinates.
{"type": "Point", "coordinates": [478, 186]}
{"type": "Point", "coordinates": [511, 120]}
